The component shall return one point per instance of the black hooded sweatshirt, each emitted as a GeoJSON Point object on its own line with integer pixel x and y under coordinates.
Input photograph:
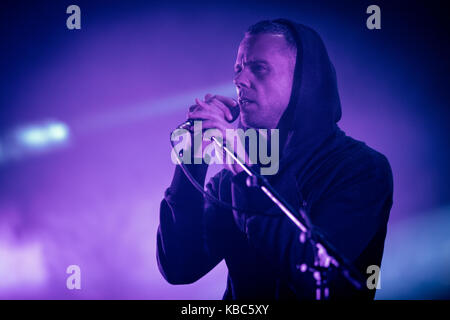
{"type": "Point", "coordinates": [344, 186]}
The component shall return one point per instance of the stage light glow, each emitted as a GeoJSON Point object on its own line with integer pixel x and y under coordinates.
{"type": "Point", "coordinates": [21, 266]}
{"type": "Point", "coordinates": [40, 136]}
{"type": "Point", "coordinates": [33, 137]}
{"type": "Point", "coordinates": [57, 131]}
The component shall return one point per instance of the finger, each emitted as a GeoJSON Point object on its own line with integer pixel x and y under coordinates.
{"type": "Point", "coordinates": [195, 115]}
{"type": "Point", "coordinates": [205, 114]}
{"type": "Point", "coordinates": [230, 102]}
{"type": "Point", "coordinates": [216, 104]}
{"type": "Point", "coordinates": [225, 110]}
{"type": "Point", "coordinates": [211, 124]}
{"type": "Point", "coordinates": [209, 106]}
{"type": "Point", "coordinates": [193, 107]}
{"type": "Point", "coordinates": [202, 104]}
{"type": "Point", "coordinates": [208, 97]}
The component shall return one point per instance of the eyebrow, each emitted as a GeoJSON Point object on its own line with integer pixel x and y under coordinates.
{"type": "Point", "coordinates": [254, 62]}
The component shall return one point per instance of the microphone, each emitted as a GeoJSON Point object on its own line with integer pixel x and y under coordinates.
{"type": "Point", "coordinates": [190, 122]}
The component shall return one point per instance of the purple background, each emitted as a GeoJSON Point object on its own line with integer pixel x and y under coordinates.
{"type": "Point", "coordinates": [122, 82]}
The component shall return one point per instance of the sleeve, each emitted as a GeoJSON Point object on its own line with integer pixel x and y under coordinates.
{"type": "Point", "coordinates": [350, 214]}
{"type": "Point", "coordinates": [183, 254]}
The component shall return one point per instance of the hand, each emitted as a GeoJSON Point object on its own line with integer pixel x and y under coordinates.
{"type": "Point", "coordinates": [214, 111]}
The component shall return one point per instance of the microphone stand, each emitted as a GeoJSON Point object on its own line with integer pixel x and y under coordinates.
{"type": "Point", "coordinates": [325, 256]}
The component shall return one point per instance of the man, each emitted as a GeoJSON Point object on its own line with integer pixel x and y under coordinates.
{"type": "Point", "coordinates": [284, 80]}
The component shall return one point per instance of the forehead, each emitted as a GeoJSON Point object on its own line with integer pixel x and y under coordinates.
{"type": "Point", "coordinates": [264, 46]}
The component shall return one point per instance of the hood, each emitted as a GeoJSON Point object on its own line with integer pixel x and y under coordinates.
{"type": "Point", "coordinates": [314, 107]}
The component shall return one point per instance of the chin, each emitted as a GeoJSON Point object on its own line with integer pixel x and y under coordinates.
{"type": "Point", "coordinates": [251, 117]}
{"type": "Point", "coordinates": [249, 121]}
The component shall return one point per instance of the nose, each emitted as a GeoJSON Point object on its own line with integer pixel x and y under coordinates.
{"type": "Point", "coordinates": [241, 80]}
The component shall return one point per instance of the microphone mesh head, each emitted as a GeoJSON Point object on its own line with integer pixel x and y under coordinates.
{"type": "Point", "coordinates": [235, 112]}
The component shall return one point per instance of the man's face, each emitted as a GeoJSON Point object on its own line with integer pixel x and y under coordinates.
{"type": "Point", "coordinates": [264, 72]}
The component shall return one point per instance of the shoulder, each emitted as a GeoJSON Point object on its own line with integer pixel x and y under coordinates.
{"type": "Point", "coordinates": [363, 167]}
{"type": "Point", "coordinates": [362, 158]}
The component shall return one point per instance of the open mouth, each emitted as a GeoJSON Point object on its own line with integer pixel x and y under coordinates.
{"type": "Point", "coordinates": [244, 101]}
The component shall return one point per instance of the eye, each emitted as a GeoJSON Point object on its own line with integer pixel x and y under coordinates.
{"type": "Point", "coordinates": [259, 68]}
{"type": "Point", "coordinates": [237, 69]}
